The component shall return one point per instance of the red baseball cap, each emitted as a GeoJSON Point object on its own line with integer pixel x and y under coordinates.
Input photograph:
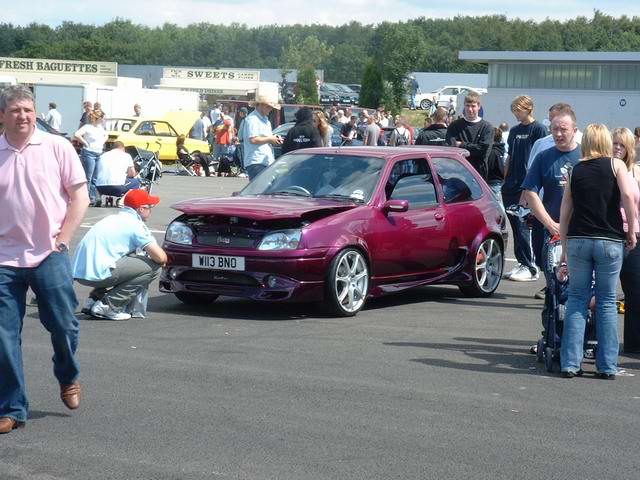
{"type": "Point", "coordinates": [137, 198]}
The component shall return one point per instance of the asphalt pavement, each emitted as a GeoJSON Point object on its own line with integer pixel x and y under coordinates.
{"type": "Point", "coordinates": [425, 384]}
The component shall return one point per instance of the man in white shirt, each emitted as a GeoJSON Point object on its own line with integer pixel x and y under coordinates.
{"type": "Point", "coordinates": [115, 172]}
{"type": "Point", "coordinates": [53, 118]}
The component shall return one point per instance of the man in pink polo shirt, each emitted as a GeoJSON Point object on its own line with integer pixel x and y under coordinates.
{"type": "Point", "coordinates": [43, 196]}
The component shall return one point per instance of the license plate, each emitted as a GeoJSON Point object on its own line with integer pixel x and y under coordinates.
{"type": "Point", "coordinates": [218, 262]}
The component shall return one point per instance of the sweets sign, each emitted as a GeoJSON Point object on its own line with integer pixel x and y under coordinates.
{"type": "Point", "coordinates": [38, 65]}
{"type": "Point", "coordinates": [211, 74]}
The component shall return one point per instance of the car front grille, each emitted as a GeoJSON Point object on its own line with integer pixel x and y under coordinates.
{"type": "Point", "coordinates": [228, 240]}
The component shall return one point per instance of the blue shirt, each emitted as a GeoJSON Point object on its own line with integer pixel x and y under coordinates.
{"type": "Point", "coordinates": [256, 125]}
{"type": "Point", "coordinates": [550, 170]}
{"type": "Point", "coordinates": [109, 240]}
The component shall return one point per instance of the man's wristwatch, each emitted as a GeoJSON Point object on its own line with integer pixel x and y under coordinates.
{"type": "Point", "coordinates": [62, 247]}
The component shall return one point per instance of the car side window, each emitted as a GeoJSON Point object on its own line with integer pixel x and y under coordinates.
{"type": "Point", "coordinates": [458, 183]}
{"type": "Point", "coordinates": [146, 128]}
{"type": "Point", "coordinates": [411, 180]}
{"type": "Point", "coordinates": [163, 129]}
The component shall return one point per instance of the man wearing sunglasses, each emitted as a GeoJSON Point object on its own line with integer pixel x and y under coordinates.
{"type": "Point", "coordinates": [119, 257]}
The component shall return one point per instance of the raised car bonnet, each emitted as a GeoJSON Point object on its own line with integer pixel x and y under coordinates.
{"type": "Point", "coordinates": [262, 208]}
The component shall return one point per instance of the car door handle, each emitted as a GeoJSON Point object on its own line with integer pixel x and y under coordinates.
{"type": "Point", "coordinates": [438, 216]}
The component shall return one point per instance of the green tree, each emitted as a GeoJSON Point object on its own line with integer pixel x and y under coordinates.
{"type": "Point", "coordinates": [372, 89]}
{"type": "Point", "coordinates": [307, 86]}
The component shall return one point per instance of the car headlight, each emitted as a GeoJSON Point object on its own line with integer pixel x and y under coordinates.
{"type": "Point", "coordinates": [282, 240]}
{"type": "Point", "coordinates": [179, 232]}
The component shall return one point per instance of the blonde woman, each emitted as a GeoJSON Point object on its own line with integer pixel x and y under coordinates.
{"type": "Point", "coordinates": [593, 241]}
{"type": "Point", "coordinates": [320, 122]}
{"type": "Point", "coordinates": [624, 148]}
{"type": "Point", "coordinates": [92, 137]}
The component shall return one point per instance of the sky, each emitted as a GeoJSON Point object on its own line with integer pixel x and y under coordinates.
{"type": "Point", "coordinates": [267, 12]}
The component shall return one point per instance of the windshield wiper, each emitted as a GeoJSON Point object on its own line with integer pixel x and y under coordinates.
{"type": "Point", "coordinates": [295, 193]}
{"type": "Point", "coordinates": [337, 196]}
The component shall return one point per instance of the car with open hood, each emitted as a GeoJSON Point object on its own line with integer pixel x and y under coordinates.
{"type": "Point", "coordinates": [156, 134]}
{"type": "Point", "coordinates": [339, 225]}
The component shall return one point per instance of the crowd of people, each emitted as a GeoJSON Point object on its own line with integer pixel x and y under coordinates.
{"type": "Point", "coordinates": [582, 187]}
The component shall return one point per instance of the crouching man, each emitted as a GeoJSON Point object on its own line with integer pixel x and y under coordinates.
{"type": "Point", "coordinates": [110, 258]}
{"type": "Point", "coordinates": [115, 172]}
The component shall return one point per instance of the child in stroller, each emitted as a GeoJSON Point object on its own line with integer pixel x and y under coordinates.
{"type": "Point", "coordinates": [556, 274]}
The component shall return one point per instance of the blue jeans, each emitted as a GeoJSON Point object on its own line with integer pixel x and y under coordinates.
{"type": "Point", "coordinates": [584, 257]}
{"type": "Point", "coordinates": [521, 234]}
{"type": "Point", "coordinates": [89, 160]}
{"type": "Point", "coordinates": [496, 188]}
{"type": "Point", "coordinates": [254, 169]}
{"type": "Point", "coordinates": [119, 190]}
{"type": "Point", "coordinates": [52, 283]}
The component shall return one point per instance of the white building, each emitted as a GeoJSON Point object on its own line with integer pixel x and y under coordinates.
{"type": "Point", "coordinates": [602, 87]}
{"type": "Point", "coordinates": [68, 83]}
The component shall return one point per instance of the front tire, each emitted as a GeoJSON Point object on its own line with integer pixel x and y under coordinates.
{"type": "Point", "coordinates": [195, 298]}
{"type": "Point", "coordinates": [488, 263]}
{"type": "Point", "coordinates": [346, 283]}
{"type": "Point", "coordinates": [426, 104]}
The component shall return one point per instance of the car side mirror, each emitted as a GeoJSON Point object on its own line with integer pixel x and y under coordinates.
{"type": "Point", "coordinates": [235, 194]}
{"type": "Point", "coordinates": [395, 206]}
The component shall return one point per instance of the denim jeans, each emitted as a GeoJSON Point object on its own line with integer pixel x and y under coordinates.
{"type": "Point", "coordinates": [52, 283]}
{"type": "Point", "coordinates": [119, 190]}
{"type": "Point", "coordinates": [521, 235]}
{"type": "Point", "coordinates": [254, 169]}
{"type": "Point", "coordinates": [584, 257]}
{"type": "Point", "coordinates": [630, 279]}
{"type": "Point", "coordinates": [89, 160]}
{"type": "Point", "coordinates": [496, 188]}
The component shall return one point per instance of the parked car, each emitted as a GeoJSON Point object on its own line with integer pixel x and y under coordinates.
{"type": "Point", "coordinates": [346, 95]}
{"type": "Point", "coordinates": [328, 95]}
{"type": "Point", "coordinates": [156, 134]}
{"type": "Point", "coordinates": [444, 96]}
{"type": "Point", "coordinates": [339, 225]}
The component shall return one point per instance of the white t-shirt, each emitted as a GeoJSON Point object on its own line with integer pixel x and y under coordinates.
{"type": "Point", "coordinates": [94, 136]}
{"type": "Point", "coordinates": [112, 168]}
{"type": "Point", "coordinates": [54, 119]}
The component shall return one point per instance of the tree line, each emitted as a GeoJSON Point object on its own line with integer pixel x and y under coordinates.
{"type": "Point", "coordinates": [429, 45]}
{"type": "Point", "coordinates": [378, 56]}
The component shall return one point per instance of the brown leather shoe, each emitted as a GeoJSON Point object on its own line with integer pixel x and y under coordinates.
{"type": "Point", "coordinates": [70, 395]}
{"type": "Point", "coordinates": [7, 424]}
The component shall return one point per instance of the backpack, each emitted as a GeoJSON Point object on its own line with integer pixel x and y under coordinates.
{"type": "Point", "coordinates": [401, 139]}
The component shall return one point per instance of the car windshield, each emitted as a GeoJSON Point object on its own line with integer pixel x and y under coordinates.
{"type": "Point", "coordinates": [338, 177]}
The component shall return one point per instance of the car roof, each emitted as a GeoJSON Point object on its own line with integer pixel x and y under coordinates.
{"type": "Point", "coordinates": [386, 152]}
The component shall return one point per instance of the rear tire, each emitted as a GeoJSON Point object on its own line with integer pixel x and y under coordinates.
{"type": "Point", "coordinates": [195, 298]}
{"type": "Point", "coordinates": [487, 265]}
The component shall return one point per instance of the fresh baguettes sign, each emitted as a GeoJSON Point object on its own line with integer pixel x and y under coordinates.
{"type": "Point", "coordinates": [72, 67]}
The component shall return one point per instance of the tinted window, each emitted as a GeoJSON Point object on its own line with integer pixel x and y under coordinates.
{"type": "Point", "coordinates": [411, 180]}
{"type": "Point", "coordinates": [458, 183]}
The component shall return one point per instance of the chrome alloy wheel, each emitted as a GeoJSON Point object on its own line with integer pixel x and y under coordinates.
{"type": "Point", "coordinates": [488, 265]}
{"type": "Point", "coordinates": [351, 281]}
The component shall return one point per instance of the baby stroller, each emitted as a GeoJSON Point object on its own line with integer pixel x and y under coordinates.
{"type": "Point", "coordinates": [147, 165]}
{"type": "Point", "coordinates": [553, 313]}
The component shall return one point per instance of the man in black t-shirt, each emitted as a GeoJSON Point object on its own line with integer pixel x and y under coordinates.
{"type": "Point", "coordinates": [472, 133]}
{"type": "Point", "coordinates": [521, 139]}
{"type": "Point", "coordinates": [349, 131]}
